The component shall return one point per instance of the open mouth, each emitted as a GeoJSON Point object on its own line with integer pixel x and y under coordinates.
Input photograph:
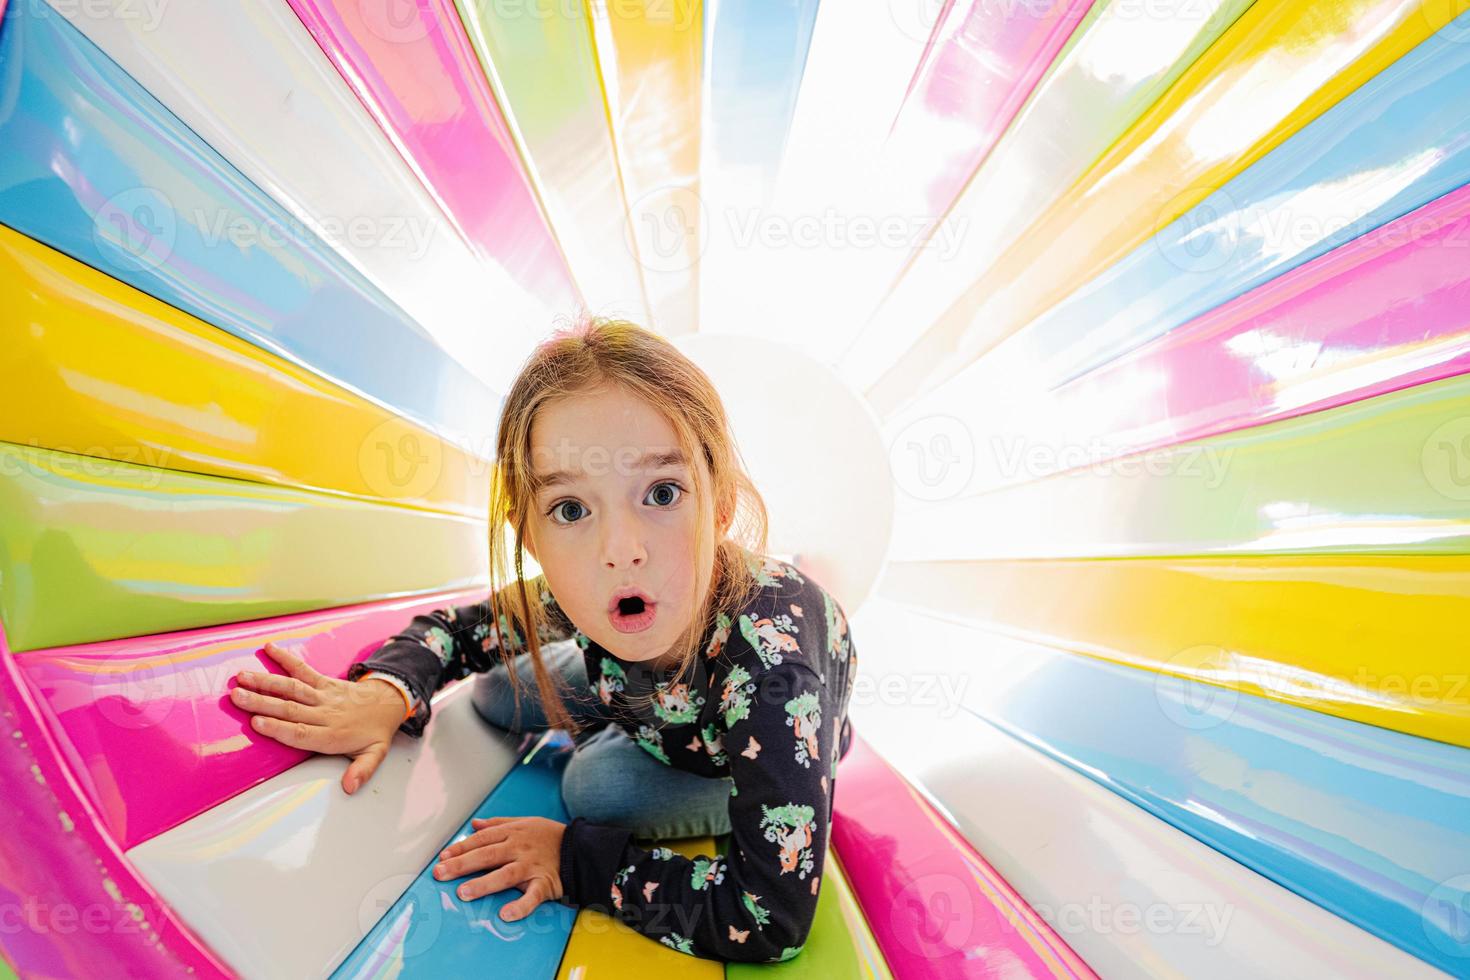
{"type": "Point", "coordinates": [632, 614]}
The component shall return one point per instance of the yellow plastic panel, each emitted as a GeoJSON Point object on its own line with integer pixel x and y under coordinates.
{"type": "Point", "coordinates": [603, 948]}
{"type": "Point", "coordinates": [93, 549]}
{"type": "Point", "coordinates": [651, 56]}
{"type": "Point", "coordinates": [1380, 640]}
{"type": "Point", "coordinates": [95, 367]}
{"type": "Point", "coordinates": [1280, 66]}
{"type": "Point", "coordinates": [840, 943]}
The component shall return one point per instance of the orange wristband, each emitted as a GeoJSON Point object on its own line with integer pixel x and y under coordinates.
{"type": "Point", "coordinates": [407, 704]}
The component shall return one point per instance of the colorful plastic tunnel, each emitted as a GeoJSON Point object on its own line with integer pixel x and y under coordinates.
{"type": "Point", "coordinates": [1131, 347]}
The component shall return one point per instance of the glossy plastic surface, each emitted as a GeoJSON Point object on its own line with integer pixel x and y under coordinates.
{"type": "Point", "coordinates": [430, 932]}
{"type": "Point", "coordinates": [131, 709]}
{"type": "Point", "coordinates": [95, 367]}
{"type": "Point", "coordinates": [413, 67]}
{"type": "Point", "coordinates": [933, 901]}
{"type": "Point", "coordinates": [837, 246]}
{"type": "Point", "coordinates": [56, 855]}
{"type": "Point", "coordinates": [1368, 823]}
{"type": "Point", "coordinates": [980, 66]}
{"type": "Point", "coordinates": [251, 82]}
{"type": "Point", "coordinates": [840, 943]}
{"type": "Point", "coordinates": [1095, 91]}
{"type": "Point", "coordinates": [1372, 639]}
{"type": "Point", "coordinates": [1383, 312]}
{"type": "Point", "coordinates": [1394, 145]}
{"type": "Point", "coordinates": [287, 877]}
{"type": "Point", "coordinates": [794, 246]}
{"type": "Point", "coordinates": [1385, 475]}
{"type": "Point", "coordinates": [97, 550]}
{"type": "Point", "coordinates": [1211, 125]}
{"type": "Point", "coordinates": [651, 57]}
{"type": "Point", "coordinates": [1099, 867]}
{"type": "Point", "coordinates": [544, 73]}
{"type": "Point", "coordinates": [98, 169]}
{"type": "Point", "coordinates": [756, 57]}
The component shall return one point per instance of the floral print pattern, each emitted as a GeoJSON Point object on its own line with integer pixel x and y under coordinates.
{"type": "Point", "coordinates": [611, 680]}
{"type": "Point", "coordinates": [772, 637]}
{"type": "Point", "coordinates": [804, 716]}
{"type": "Point", "coordinates": [735, 698]}
{"type": "Point", "coordinates": [675, 704]}
{"type": "Point", "coordinates": [765, 704]}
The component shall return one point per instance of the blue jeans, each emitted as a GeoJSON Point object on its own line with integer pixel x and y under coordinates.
{"type": "Point", "coordinates": [609, 779]}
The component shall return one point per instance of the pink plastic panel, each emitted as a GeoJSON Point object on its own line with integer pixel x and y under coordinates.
{"type": "Point", "coordinates": [412, 65]}
{"type": "Point", "coordinates": [1385, 311]}
{"type": "Point", "coordinates": [84, 909]}
{"type": "Point", "coordinates": [151, 731]}
{"type": "Point", "coordinates": [931, 900]}
{"type": "Point", "coordinates": [978, 70]}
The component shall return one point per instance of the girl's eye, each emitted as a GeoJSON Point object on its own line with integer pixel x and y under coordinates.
{"type": "Point", "coordinates": [671, 487]}
{"type": "Point", "coordinates": [665, 494]}
{"type": "Point", "coordinates": [559, 508]}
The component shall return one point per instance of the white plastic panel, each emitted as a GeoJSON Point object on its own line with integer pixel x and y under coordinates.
{"type": "Point", "coordinates": [252, 82]}
{"type": "Point", "coordinates": [286, 878]}
{"type": "Point", "coordinates": [1092, 862]}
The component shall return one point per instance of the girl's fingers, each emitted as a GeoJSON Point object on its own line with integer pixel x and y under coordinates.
{"type": "Point", "coordinates": [284, 687]}
{"type": "Point", "coordinates": [362, 768]}
{"type": "Point", "coordinates": [294, 665]}
{"type": "Point", "coordinates": [489, 821]}
{"type": "Point", "coordinates": [479, 859]}
{"type": "Point", "coordinates": [263, 704]}
{"type": "Point", "coordinates": [537, 891]}
{"type": "Point", "coordinates": [481, 837]}
{"type": "Point", "coordinates": [496, 881]}
{"type": "Point", "coordinates": [298, 735]}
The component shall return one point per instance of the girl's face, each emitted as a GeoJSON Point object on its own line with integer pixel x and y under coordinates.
{"type": "Point", "coordinates": [619, 514]}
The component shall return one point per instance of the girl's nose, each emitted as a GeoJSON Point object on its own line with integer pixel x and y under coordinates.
{"type": "Point", "coordinates": [622, 542]}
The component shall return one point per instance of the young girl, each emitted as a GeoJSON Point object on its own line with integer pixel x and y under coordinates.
{"type": "Point", "coordinates": [716, 678]}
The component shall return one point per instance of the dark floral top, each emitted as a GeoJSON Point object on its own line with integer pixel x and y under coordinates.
{"type": "Point", "coordinates": [766, 705]}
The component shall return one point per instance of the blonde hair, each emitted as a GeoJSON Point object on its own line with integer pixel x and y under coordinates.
{"type": "Point", "coordinates": [592, 354]}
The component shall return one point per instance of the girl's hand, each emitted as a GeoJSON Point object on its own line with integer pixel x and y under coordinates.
{"type": "Point", "coordinates": [309, 710]}
{"type": "Point", "coordinates": [525, 853]}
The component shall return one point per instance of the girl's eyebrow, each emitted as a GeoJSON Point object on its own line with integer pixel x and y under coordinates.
{"type": "Point", "coordinates": [648, 461]}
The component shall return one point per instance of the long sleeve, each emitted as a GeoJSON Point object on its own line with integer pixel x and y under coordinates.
{"type": "Point", "coordinates": [756, 902]}
{"type": "Point", "coordinates": [447, 644]}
